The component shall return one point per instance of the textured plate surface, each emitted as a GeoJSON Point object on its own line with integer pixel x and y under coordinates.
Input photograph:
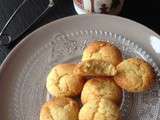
{"type": "Point", "coordinates": [23, 74]}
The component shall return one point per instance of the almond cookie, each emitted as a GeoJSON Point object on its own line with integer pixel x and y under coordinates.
{"type": "Point", "coordinates": [97, 88]}
{"type": "Point", "coordinates": [102, 109]}
{"type": "Point", "coordinates": [60, 109]}
{"type": "Point", "coordinates": [101, 50]}
{"type": "Point", "coordinates": [135, 75]}
{"type": "Point", "coordinates": [62, 82]}
{"type": "Point", "coordinates": [95, 68]}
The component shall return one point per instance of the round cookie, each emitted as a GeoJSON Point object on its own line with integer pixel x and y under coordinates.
{"type": "Point", "coordinates": [97, 88]}
{"type": "Point", "coordinates": [95, 68]}
{"type": "Point", "coordinates": [62, 82]}
{"type": "Point", "coordinates": [102, 109]}
{"type": "Point", "coordinates": [60, 109]}
{"type": "Point", "coordinates": [135, 75]}
{"type": "Point", "coordinates": [101, 50]}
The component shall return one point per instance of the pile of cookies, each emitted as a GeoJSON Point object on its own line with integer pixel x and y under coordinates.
{"type": "Point", "coordinates": [99, 80]}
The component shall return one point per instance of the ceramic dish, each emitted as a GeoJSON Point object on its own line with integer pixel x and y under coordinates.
{"type": "Point", "coordinates": [23, 73]}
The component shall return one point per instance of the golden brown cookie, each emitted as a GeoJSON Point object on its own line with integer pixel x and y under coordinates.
{"type": "Point", "coordinates": [95, 68]}
{"type": "Point", "coordinates": [62, 82]}
{"type": "Point", "coordinates": [101, 50]}
{"type": "Point", "coordinates": [135, 75]}
{"type": "Point", "coordinates": [97, 88]}
{"type": "Point", "coordinates": [103, 109]}
{"type": "Point", "coordinates": [60, 109]}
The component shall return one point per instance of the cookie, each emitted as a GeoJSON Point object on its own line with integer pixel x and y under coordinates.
{"type": "Point", "coordinates": [97, 88]}
{"type": "Point", "coordinates": [101, 50]}
{"type": "Point", "coordinates": [62, 82]}
{"type": "Point", "coordinates": [135, 75]}
{"type": "Point", "coordinates": [95, 68]}
{"type": "Point", "coordinates": [102, 109]}
{"type": "Point", "coordinates": [60, 109]}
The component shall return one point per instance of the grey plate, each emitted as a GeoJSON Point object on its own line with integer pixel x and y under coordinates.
{"type": "Point", "coordinates": [23, 73]}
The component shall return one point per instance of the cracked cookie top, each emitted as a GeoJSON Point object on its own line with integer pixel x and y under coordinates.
{"type": "Point", "coordinates": [102, 109]}
{"type": "Point", "coordinates": [62, 82]}
{"type": "Point", "coordinates": [60, 109]}
{"type": "Point", "coordinates": [95, 89]}
{"type": "Point", "coordinates": [135, 75]}
{"type": "Point", "coordinates": [101, 50]}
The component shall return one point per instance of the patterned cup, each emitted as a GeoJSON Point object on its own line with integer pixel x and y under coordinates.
{"type": "Point", "coordinates": [98, 6]}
